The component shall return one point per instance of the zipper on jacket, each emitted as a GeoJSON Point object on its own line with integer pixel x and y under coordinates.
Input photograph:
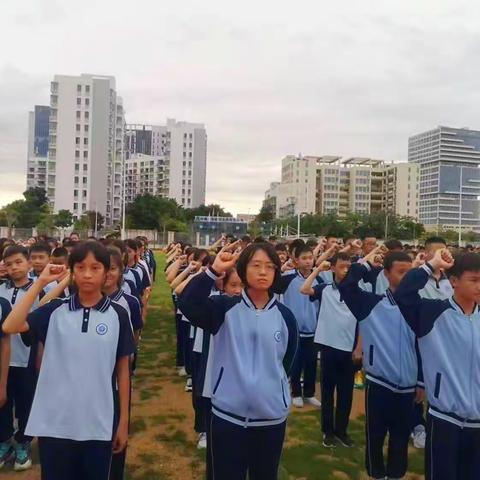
{"type": "Point", "coordinates": [370, 356]}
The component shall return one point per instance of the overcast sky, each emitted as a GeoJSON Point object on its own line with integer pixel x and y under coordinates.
{"type": "Point", "coordinates": [268, 78]}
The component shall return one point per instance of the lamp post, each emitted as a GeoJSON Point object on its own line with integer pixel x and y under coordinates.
{"type": "Point", "coordinates": [460, 209]}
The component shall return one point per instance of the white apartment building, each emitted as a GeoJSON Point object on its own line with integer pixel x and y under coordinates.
{"type": "Point", "coordinates": [144, 174]}
{"type": "Point", "coordinates": [183, 148]}
{"type": "Point", "coordinates": [86, 146]}
{"type": "Point", "coordinates": [330, 184]}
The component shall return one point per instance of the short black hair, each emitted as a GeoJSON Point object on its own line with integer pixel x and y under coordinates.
{"type": "Point", "coordinates": [14, 250]}
{"type": "Point", "coordinates": [131, 243]}
{"type": "Point", "coordinates": [272, 238]}
{"type": "Point", "coordinates": [248, 254]}
{"type": "Point", "coordinates": [40, 248]}
{"type": "Point", "coordinates": [81, 250]}
{"type": "Point", "coordinates": [431, 240]}
{"type": "Point", "coordinates": [294, 245]}
{"type": "Point", "coordinates": [367, 235]}
{"type": "Point", "coordinates": [311, 242]}
{"type": "Point", "coordinates": [394, 244]}
{"type": "Point", "coordinates": [60, 252]}
{"type": "Point", "coordinates": [340, 256]}
{"type": "Point", "coordinates": [199, 253]}
{"type": "Point", "coordinates": [280, 247]}
{"type": "Point", "coordinates": [66, 242]}
{"type": "Point", "coordinates": [302, 249]}
{"type": "Point", "coordinates": [464, 262]}
{"type": "Point", "coordinates": [246, 238]}
{"type": "Point", "coordinates": [259, 240]}
{"type": "Point", "coordinates": [392, 257]}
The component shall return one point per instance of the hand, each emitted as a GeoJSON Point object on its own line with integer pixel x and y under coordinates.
{"type": "Point", "coordinates": [372, 257]}
{"type": "Point", "coordinates": [51, 273]}
{"type": "Point", "coordinates": [357, 244]}
{"type": "Point", "coordinates": [120, 440]}
{"type": "Point", "coordinates": [346, 248]}
{"type": "Point", "coordinates": [225, 260]}
{"type": "Point", "coordinates": [181, 259]}
{"type": "Point", "coordinates": [357, 355]}
{"type": "Point", "coordinates": [288, 265]}
{"type": "Point", "coordinates": [442, 260]}
{"type": "Point", "coordinates": [3, 395]}
{"type": "Point", "coordinates": [419, 395]}
{"type": "Point", "coordinates": [419, 260]}
{"type": "Point", "coordinates": [324, 266]}
{"type": "Point", "coordinates": [194, 266]}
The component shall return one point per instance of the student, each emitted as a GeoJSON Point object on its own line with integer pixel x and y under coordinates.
{"type": "Point", "coordinates": [21, 374]}
{"type": "Point", "coordinates": [282, 252]}
{"type": "Point", "coordinates": [255, 341]}
{"type": "Point", "coordinates": [336, 335]}
{"type": "Point", "coordinates": [142, 277]}
{"type": "Point", "coordinates": [390, 362]}
{"type": "Point", "coordinates": [4, 366]}
{"type": "Point", "coordinates": [150, 258]}
{"type": "Point", "coordinates": [113, 289]}
{"type": "Point", "coordinates": [306, 314]}
{"type": "Point", "coordinates": [447, 331]}
{"type": "Point", "coordinates": [39, 257]}
{"type": "Point", "coordinates": [437, 287]}
{"type": "Point", "coordinates": [88, 340]}
{"type": "Point", "coordinates": [59, 256]}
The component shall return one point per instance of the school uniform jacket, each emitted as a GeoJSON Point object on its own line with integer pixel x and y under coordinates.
{"type": "Point", "coordinates": [449, 342]}
{"type": "Point", "coordinates": [389, 344]}
{"type": "Point", "coordinates": [254, 351]}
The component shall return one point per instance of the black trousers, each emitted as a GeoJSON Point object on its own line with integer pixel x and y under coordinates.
{"type": "Point", "coordinates": [337, 373]}
{"type": "Point", "coordinates": [21, 385]}
{"type": "Point", "coordinates": [451, 452]}
{"type": "Point", "coordinates": [387, 412]}
{"type": "Point", "coordinates": [180, 340]}
{"type": "Point", "coordinates": [237, 451]}
{"type": "Point", "coordinates": [68, 459]}
{"type": "Point", "coordinates": [306, 362]}
{"type": "Point", "coordinates": [208, 425]}
{"type": "Point", "coordinates": [418, 415]}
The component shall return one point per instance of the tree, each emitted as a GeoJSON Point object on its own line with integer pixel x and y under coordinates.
{"type": "Point", "coordinates": [151, 212]}
{"type": "Point", "coordinates": [266, 214]}
{"type": "Point", "coordinates": [92, 216]}
{"type": "Point", "coordinates": [46, 224]}
{"type": "Point", "coordinates": [63, 219]}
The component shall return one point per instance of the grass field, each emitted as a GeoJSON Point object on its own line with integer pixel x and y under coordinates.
{"type": "Point", "coordinates": [163, 444]}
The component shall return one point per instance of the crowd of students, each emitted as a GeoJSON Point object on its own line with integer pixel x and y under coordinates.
{"type": "Point", "coordinates": [253, 317]}
{"type": "Point", "coordinates": [71, 316]}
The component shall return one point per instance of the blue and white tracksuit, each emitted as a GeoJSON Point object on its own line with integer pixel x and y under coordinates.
{"type": "Point", "coordinates": [449, 343]}
{"type": "Point", "coordinates": [391, 363]}
{"type": "Point", "coordinates": [254, 351]}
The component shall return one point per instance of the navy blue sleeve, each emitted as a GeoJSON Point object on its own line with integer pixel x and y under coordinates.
{"type": "Point", "coordinates": [145, 279]}
{"type": "Point", "coordinates": [359, 302]}
{"type": "Point", "coordinates": [317, 293]}
{"type": "Point", "coordinates": [196, 304]}
{"type": "Point", "coordinates": [135, 312]}
{"type": "Point", "coordinates": [293, 335]}
{"type": "Point", "coordinates": [420, 313]}
{"type": "Point", "coordinates": [5, 311]}
{"type": "Point", "coordinates": [285, 281]}
{"type": "Point", "coordinates": [153, 264]}
{"type": "Point", "coordinates": [420, 381]}
{"type": "Point", "coordinates": [371, 274]}
{"type": "Point", "coordinates": [126, 342]}
{"type": "Point", "coordinates": [39, 319]}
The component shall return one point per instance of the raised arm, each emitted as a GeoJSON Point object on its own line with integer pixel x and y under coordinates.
{"type": "Point", "coordinates": [307, 287]}
{"type": "Point", "coordinates": [195, 302]}
{"type": "Point", "coordinates": [421, 313]}
{"type": "Point", "coordinates": [183, 275]}
{"type": "Point", "coordinates": [16, 322]}
{"type": "Point", "coordinates": [56, 291]}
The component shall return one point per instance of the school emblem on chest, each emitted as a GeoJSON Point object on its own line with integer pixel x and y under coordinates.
{"type": "Point", "coordinates": [278, 336]}
{"type": "Point", "coordinates": [102, 329]}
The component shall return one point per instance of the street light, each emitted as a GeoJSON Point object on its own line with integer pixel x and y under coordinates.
{"type": "Point", "coordinates": [460, 209]}
{"type": "Point", "coordinates": [299, 215]}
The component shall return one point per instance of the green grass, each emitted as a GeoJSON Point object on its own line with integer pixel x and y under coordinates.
{"type": "Point", "coordinates": [303, 455]}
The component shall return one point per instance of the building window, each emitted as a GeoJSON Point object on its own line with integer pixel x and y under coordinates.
{"type": "Point", "coordinates": [87, 101]}
{"type": "Point", "coordinates": [84, 193]}
{"type": "Point", "coordinates": [84, 180]}
{"type": "Point", "coordinates": [76, 180]}
{"type": "Point", "coordinates": [85, 141]}
{"type": "Point", "coordinates": [190, 154]}
{"type": "Point", "coordinates": [87, 116]}
{"type": "Point", "coordinates": [78, 114]}
{"type": "Point", "coordinates": [79, 101]}
{"type": "Point", "coordinates": [79, 88]}
{"type": "Point", "coordinates": [84, 207]}
{"type": "Point", "coordinates": [77, 167]}
{"type": "Point", "coordinates": [77, 140]}
{"type": "Point", "coordinates": [184, 154]}
{"type": "Point", "coordinates": [75, 206]}
{"type": "Point", "coordinates": [87, 88]}
{"type": "Point", "coordinates": [77, 153]}
{"type": "Point", "coordinates": [77, 126]}
{"type": "Point", "coordinates": [85, 167]}
{"type": "Point", "coordinates": [85, 154]}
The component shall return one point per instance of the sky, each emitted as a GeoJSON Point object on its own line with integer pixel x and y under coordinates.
{"type": "Point", "coordinates": [267, 78]}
